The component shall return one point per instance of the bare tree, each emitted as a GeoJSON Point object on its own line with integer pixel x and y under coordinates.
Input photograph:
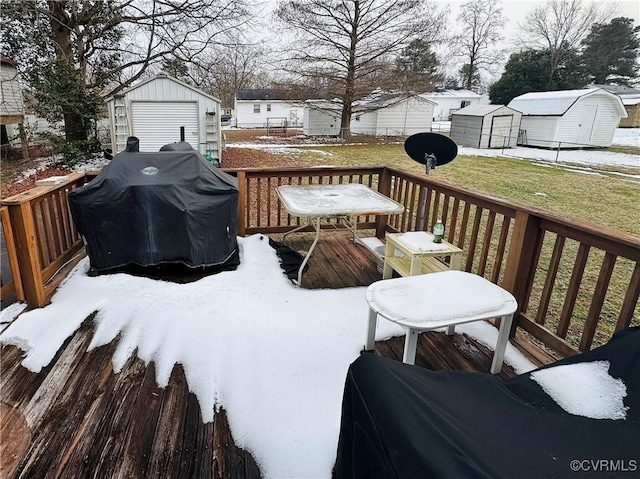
{"type": "Point", "coordinates": [109, 44]}
{"type": "Point", "coordinates": [482, 22]}
{"type": "Point", "coordinates": [351, 44]}
{"type": "Point", "coordinates": [559, 26]}
{"type": "Point", "coordinates": [232, 65]}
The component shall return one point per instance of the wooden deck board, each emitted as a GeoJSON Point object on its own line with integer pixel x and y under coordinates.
{"type": "Point", "coordinates": [86, 421]}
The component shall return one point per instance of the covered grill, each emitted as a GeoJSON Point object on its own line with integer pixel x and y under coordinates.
{"type": "Point", "coordinates": [167, 207]}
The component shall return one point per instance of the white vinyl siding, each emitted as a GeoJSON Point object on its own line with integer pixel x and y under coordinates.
{"type": "Point", "coordinates": [158, 123]}
{"type": "Point", "coordinates": [11, 102]}
{"type": "Point", "coordinates": [449, 101]}
{"type": "Point", "coordinates": [365, 125]}
{"type": "Point", "coordinates": [247, 118]}
{"type": "Point", "coordinates": [405, 118]}
{"type": "Point", "coordinates": [539, 131]}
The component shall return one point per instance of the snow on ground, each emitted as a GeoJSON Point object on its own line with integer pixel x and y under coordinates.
{"type": "Point", "coordinates": [276, 363]}
{"type": "Point", "coordinates": [627, 137]}
{"type": "Point", "coordinates": [623, 136]}
{"type": "Point", "coordinates": [582, 157]}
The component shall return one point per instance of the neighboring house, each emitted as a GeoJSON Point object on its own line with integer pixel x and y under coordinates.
{"type": "Point", "coordinates": [156, 110]}
{"type": "Point", "coordinates": [383, 116]}
{"type": "Point", "coordinates": [630, 99]}
{"type": "Point", "coordinates": [486, 126]}
{"type": "Point", "coordinates": [569, 118]}
{"type": "Point", "coordinates": [11, 105]}
{"type": "Point", "coordinates": [227, 113]}
{"type": "Point", "coordinates": [450, 101]}
{"type": "Point", "coordinates": [321, 118]}
{"type": "Point", "coordinates": [264, 108]}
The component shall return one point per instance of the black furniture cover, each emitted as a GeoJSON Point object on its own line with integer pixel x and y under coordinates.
{"type": "Point", "coordinates": [147, 209]}
{"type": "Point", "coordinates": [402, 421]}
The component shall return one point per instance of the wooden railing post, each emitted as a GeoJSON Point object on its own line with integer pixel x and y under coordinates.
{"type": "Point", "coordinates": [242, 203]}
{"type": "Point", "coordinates": [16, 277]}
{"type": "Point", "coordinates": [384, 187]}
{"type": "Point", "coordinates": [521, 259]}
{"type": "Point", "coordinates": [23, 223]}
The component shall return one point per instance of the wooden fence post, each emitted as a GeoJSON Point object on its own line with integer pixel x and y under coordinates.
{"type": "Point", "coordinates": [242, 203]}
{"type": "Point", "coordinates": [16, 277]}
{"type": "Point", "coordinates": [384, 187]}
{"type": "Point", "coordinates": [23, 223]}
{"type": "Point", "coordinates": [520, 262]}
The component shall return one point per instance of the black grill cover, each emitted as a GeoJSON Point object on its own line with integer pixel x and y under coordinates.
{"type": "Point", "coordinates": [147, 209]}
{"type": "Point", "coordinates": [401, 421]}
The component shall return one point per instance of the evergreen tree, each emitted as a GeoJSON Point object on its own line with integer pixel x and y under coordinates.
{"type": "Point", "coordinates": [418, 65]}
{"type": "Point", "coordinates": [611, 51]}
{"type": "Point", "coordinates": [522, 75]}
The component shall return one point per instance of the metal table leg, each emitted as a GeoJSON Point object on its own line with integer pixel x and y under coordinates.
{"type": "Point", "coordinates": [313, 245]}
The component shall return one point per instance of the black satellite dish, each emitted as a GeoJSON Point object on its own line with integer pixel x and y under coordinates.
{"type": "Point", "coordinates": [431, 149]}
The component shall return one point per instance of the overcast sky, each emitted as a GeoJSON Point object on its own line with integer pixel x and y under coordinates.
{"type": "Point", "coordinates": [514, 10]}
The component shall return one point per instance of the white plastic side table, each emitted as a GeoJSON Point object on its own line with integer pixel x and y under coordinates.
{"type": "Point", "coordinates": [439, 300]}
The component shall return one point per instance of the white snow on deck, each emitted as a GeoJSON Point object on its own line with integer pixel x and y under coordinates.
{"type": "Point", "coordinates": [275, 356]}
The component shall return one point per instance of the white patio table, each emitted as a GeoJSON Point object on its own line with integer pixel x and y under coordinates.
{"type": "Point", "coordinates": [321, 202]}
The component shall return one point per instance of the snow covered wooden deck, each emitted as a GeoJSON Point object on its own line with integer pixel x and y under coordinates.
{"type": "Point", "coordinates": [77, 418]}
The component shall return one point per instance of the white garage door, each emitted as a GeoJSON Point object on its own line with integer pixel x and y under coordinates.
{"type": "Point", "coordinates": [158, 123]}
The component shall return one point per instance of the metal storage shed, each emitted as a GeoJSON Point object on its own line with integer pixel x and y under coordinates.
{"type": "Point", "coordinates": [486, 126]}
{"type": "Point", "coordinates": [569, 118]}
{"type": "Point", "coordinates": [155, 110]}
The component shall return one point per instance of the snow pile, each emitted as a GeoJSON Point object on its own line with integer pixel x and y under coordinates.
{"type": "Point", "coordinates": [584, 389]}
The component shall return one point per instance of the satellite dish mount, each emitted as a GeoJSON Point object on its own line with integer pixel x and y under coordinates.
{"type": "Point", "coordinates": [431, 150]}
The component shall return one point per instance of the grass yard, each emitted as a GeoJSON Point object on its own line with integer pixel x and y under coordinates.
{"type": "Point", "coordinates": [605, 199]}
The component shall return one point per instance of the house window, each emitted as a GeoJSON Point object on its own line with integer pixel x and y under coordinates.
{"type": "Point", "coordinates": [268, 107]}
{"type": "Point", "coordinates": [256, 108]}
{"type": "Point", "coordinates": [464, 103]}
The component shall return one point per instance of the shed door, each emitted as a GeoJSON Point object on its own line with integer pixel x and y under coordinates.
{"type": "Point", "coordinates": [585, 124]}
{"type": "Point", "coordinates": [158, 123]}
{"type": "Point", "coordinates": [500, 135]}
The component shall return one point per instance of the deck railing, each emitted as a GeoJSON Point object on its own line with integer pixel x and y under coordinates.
{"type": "Point", "coordinates": [41, 239]}
{"type": "Point", "coordinates": [575, 283]}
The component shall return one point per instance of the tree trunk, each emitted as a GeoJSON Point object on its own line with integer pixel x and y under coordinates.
{"type": "Point", "coordinates": [345, 122]}
{"type": "Point", "coordinates": [62, 26]}
{"type": "Point", "coordinates": [74, 128]}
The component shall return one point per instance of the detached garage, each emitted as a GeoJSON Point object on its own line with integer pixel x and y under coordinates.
{"type": "Point", "coordinates": [485, 126]}
{"type": "Point", "coordinates": [569, 118]}
{"type": "Point", "coordinates": [157, 109]}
